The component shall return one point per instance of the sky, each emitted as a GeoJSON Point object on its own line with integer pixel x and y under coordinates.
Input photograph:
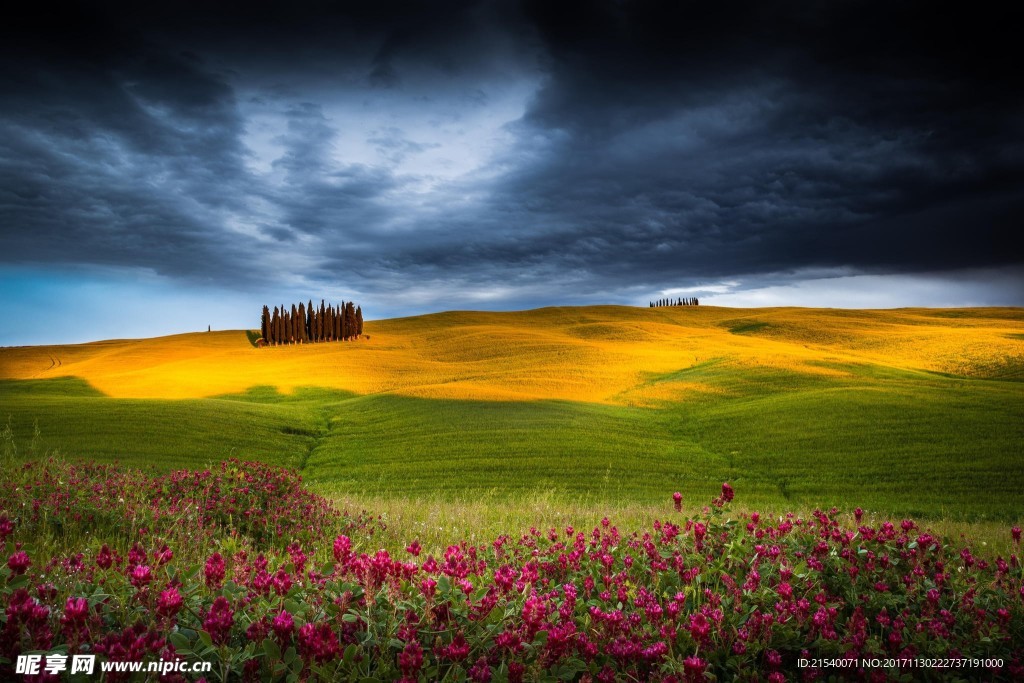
{"type": "Point", "coordinates": [165, 168]}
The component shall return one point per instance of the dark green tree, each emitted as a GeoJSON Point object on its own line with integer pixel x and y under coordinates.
{"type": "Point", "coordinates": [350, 319]}
{"type": "Point", "coordinates": [309, 321]}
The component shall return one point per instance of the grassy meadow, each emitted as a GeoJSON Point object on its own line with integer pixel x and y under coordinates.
{"type": "Point", "coordinates": [905, 412]}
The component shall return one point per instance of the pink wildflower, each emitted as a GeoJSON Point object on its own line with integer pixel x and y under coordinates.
{"type": "Point", "coordinates": [694, 668]}
{"type": "Point", "coordinates": [214, 571]}
{"type": "Point", "coordinates": [19, 562]}
{"type": "Point", "coordinates": [410, 659]}
{"type": "Point", "coordinates": [283, 625]}
{"type": "Point", "coordinates": [219, 620]}
{"type": "Point", "coordinates": [169, 602]}
{"type": "Point", "coordinates": [104, 558]}
{"type": "Point", "coordinates": [140, 576]}
{"type": "Point", "coordinates": [75, 611]}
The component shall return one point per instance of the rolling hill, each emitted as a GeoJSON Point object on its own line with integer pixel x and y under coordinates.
{"type": "Point", "coordinates": [911, 411]}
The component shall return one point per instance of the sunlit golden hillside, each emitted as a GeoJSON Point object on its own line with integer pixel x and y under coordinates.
{"type": "Point", "coordinates": [600, 354]}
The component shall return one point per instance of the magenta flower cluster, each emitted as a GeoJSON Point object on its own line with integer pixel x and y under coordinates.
{"type": "Point", "coordinates": [709, 596]}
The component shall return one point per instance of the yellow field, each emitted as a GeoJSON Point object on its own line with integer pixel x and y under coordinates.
{"type": "Point", "coordinates": [600, 354]}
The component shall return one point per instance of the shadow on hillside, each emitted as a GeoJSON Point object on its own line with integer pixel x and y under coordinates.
{"type": "Point", "coordinates": [266, 393]}
{"type": "Point", "coordinates": [70, 387]}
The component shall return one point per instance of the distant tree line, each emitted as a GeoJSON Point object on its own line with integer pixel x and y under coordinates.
{"type": "Point", "coordinates": [688, 301]}
{"type": "Point", "coordinates": [305, 323]}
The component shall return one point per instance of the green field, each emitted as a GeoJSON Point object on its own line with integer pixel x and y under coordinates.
{"type": "Point", "coordinates": [894, 441]}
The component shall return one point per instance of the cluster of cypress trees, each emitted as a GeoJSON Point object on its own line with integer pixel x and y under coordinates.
{"type": "Point", "coordinates": [688, 301]}
{"type": "Point", "coordinates": [304, 323]}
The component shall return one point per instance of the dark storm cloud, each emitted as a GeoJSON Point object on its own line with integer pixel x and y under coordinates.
{"type": "Point", "coordinates": [759, 138]}
{"type": "Point", "coordinates": [654, 145]}
{"type": "Point", "coordinates": [318, 198]}
{"type": "Point", "coordinates": [119, 156]}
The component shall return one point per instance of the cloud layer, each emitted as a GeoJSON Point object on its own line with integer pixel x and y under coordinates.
{"type": "Point", "coordinates": [507, 154]}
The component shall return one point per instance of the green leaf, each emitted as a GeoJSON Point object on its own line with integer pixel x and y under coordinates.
{"type": "Point", "coordinates": [205, 639]}
{"type": "Point", "coordinates": [97, 598]}
{"type": "Point", "coordinates": [18, 581]}
{"type": "Point", "coordinates": [571, 667]}
{"type": "Point", "coordinates": [272, 649]}
{"type": "Point", "coordinates": [179, 641]}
